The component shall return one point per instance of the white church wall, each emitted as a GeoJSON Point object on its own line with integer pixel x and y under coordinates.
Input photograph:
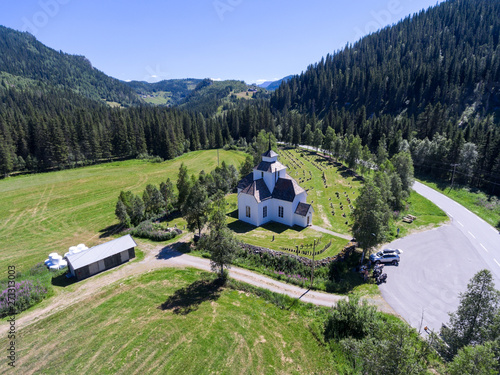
{"type": "Point", "coordinates": [245, 200]}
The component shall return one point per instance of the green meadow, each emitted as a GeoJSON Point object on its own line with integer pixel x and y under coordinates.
{"type": "Point", "coordinates": [50, 212]}
{"type": "Point", "coordinates": [175, 322]}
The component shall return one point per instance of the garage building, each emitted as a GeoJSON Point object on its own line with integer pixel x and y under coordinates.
{"type": "Point", "coordinates": [101, 257]}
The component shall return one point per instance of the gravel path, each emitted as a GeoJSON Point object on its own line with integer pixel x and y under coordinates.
{"type": "Point", "coordinates": [319, 229]}
{"type": "Point", "coordinates": [168, 256]}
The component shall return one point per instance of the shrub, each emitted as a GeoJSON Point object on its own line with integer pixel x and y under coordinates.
{"type": "Point", "coordinates": [350, 319]}
{"type": "Point", "coordinates": [148, 229]}
{"type": "Point", "coordinates": [25, 294]}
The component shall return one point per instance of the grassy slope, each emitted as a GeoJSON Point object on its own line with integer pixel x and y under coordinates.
{"type": "Point", "coordinates": [338, 180]}
{"type": "Point", "coordinates": [470, 200]}
{"type": "Point", "coordinates": [43, 213]}
{"type": "Point", "coordinates": [284, 236]}
{"type": "Point", "coordinates": [123, 330]}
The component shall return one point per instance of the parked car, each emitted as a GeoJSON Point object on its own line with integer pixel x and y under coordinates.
{"type": "Point", "coordinates": [385, 257]}
{"type": "Point", "coordinates": [397, 251]}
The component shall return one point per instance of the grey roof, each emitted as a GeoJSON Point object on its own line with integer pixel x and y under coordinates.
{"type": "Point", "coordinates": [302, 209]}
{"type": "Point", "coordinates": [286, 189]}
{"type": "Point", "coordinates": [101, 251]}
{"type": "Point", "coordinates": [245, 181]}
{"type": "Point", "coordinates": [270, 154]}
{"type": "Point", "coordinates": [267, 166]}
{"type": "Point", "coordinates": [258, 189]}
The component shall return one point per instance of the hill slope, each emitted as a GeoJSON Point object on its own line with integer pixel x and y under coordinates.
{"type": "Point", "coordinates": [22, 55]}
{"type": "Point", "coordinates": [448, 54]}
{"type": "Point", "coordinates": [169, 92]}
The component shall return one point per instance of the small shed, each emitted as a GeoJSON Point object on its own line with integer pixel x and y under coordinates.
{"type": "Point", "coordinates": [101, 257]}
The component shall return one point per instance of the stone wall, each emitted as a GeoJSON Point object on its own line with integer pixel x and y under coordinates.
{"type": "Point", "coordinates": [344, 253]}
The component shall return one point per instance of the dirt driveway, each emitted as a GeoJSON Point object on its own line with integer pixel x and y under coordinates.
{"type": "Point", "coordinates": [161, 257]}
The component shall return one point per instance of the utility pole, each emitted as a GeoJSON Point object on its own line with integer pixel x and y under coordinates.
{"type": "Point", "coordinates": [453, 177]}
{"type": "Point", "coordinates": [218, 164]}
{"type": "Point", "coordinates": [312, 269]}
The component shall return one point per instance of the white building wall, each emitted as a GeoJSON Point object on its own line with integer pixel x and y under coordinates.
{"type": "Point", "coordinates": [288, 212]}
{"type": "Point", "coordinates": [245, 200]}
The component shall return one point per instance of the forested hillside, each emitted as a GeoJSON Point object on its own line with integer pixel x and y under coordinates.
{"type": "Point", "coordinates": [432, 80]}
{"type": "Point", "coordinates": [176, 90]}
{"type": "Point", "coordinates": [449, 54]}
{"type": "Point", "coordinates": [428, 85]}
{"type": "Point", "coordinates": [22, 55]}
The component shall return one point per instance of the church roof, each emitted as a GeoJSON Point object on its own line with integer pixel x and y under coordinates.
{"type": "Point", "coordinates": [258, 189]}
{"type": "Point", "coordinates": [286, 189]}
{"type": "Point", "coordinates": [267, 166]}
{"type": "Point", "coordinates": [245, 181]}
{"type": "Point", "coordinates": [269, 154]}
{"type": "Point", "coordinates": [302, 209]}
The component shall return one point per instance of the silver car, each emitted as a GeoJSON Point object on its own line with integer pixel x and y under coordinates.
{"type": "Point", "coordinates": [385, 257]}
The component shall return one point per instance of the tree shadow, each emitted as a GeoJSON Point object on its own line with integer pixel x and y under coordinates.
{"type": "Point", "coordinates": [189, 299]}
{"type": "Point", "coordinates": [110, 230]}
{"type": "Point", "coordinates": [173, 251]}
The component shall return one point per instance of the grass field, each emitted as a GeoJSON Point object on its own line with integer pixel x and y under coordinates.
{"type": "Point", "coordinates": [284, 236]}
{"type": "Point", "coordinates": [50, 212]}
{"type": "Point", "coordinates": [176, 322]}
{"type": "Point", "coordinates": [308, 168]}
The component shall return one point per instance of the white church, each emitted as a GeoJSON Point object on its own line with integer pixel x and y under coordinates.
{"type": "Point", "coordinates": [270, 194]}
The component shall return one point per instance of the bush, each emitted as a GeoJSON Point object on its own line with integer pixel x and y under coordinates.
{"type": "Point", "coordinates": [350, 319]}
{"type": "Point", "coordinates": [148, 229]}
{"type": "Point", "coordinates": [25, 294]}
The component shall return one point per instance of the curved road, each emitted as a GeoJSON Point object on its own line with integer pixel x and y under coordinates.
{"type": "Point", "coordinates": [437, 265]}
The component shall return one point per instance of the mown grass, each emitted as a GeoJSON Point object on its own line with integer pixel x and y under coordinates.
{"type": "Point", "coordinates": [50, 212]}
{"type": "Point", "coordinates": [284, 236]}
{"type": "Point", "coordinates": [483, 205]}
{"type": "Point", "coordinates": [177, 322]}
{"type": "Point", "coordinates": [326, 204]}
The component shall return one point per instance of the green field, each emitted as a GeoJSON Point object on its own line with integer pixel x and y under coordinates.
{"type": "Point", "coordinates": [50, 212]}
{"type": "Point", "coordinates": [176, 322]}
{"type": "Point", "coordinates": [284, 236]}
{"type": "Point", "coordinates": [304, 166]}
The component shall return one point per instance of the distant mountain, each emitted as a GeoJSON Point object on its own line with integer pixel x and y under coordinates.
{"type": "Point", "coordinates": [23, 56]}
{"type": "Point", "coordinates": [265, 84]}
{"type": "Point", "coordinates": [448, 55]}
{"type": "Point", "coordinates": [209, 95]}
{"type": "Point", "coordinates": [167, 92]}
{"type": "Point", "coordinates": [271, 86]}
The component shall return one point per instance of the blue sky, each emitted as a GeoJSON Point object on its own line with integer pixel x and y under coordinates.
{"type": "Point", "coordinates": [251, 40]}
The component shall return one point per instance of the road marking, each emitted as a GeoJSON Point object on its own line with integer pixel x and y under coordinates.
{"type": "Point", "coordinates": [472, 235]}
{"type": "Point", "coordinates": [496, 261]}
{"type": "Point", "coordinates": [460, 223]}
{"type": "Point", "coordinates": [450, 215]}
{"type": "Point", "coordinates": [485, 249]}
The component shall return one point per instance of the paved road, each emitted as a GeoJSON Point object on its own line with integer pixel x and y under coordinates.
{"type": "Point", "coordinates": [436, 265]}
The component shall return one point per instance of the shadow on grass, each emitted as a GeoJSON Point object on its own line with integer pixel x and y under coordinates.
{"type": "Point", "coordinates": [233, 214]}
{"type": "Point", "coordinates": [109, 231]}
{"type": "Point", "coordinates": [173, 250]}
{"type": "Point", "coordinates": [241, 227]}
{"type": "Point", "coordinates": [63, 281]}
{"type": "Point", "coordinates": [189, 299]}
{"type": "Point", "coordinates": [277, 228]}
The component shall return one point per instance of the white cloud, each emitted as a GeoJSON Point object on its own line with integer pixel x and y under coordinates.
{"type": "Point", "coordinates": [216, 79]}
